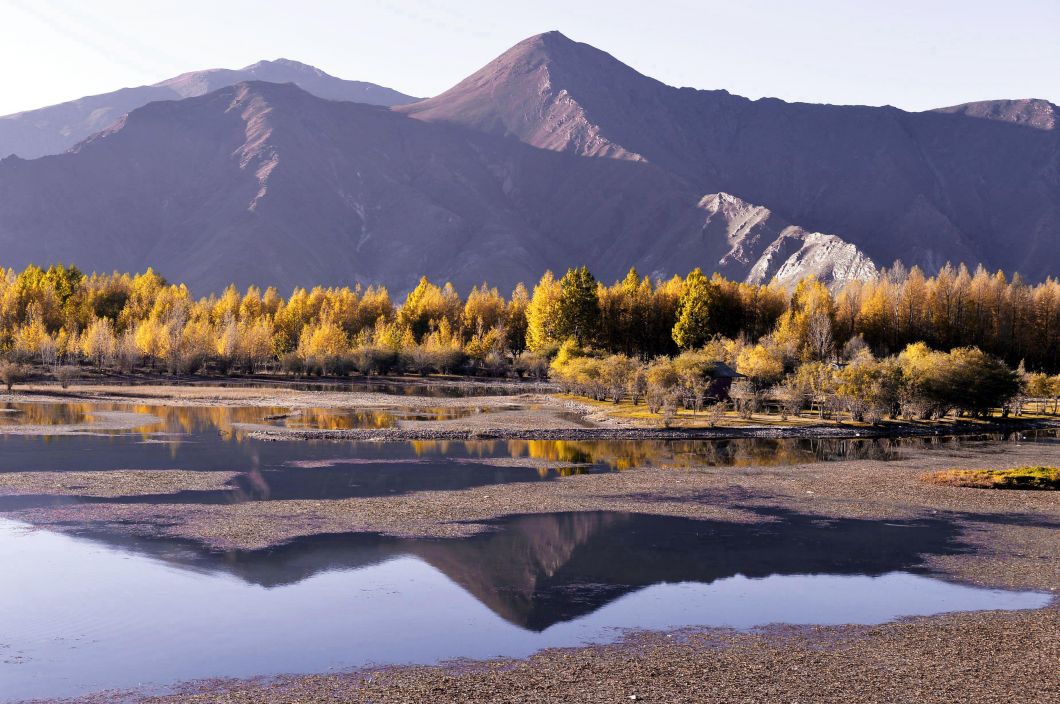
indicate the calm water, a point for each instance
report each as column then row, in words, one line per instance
column 99, row 603
column 209, row 439
column 84, row 612
column 388, row 385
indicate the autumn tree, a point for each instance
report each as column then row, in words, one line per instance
column 543, row 314
column 694, row 319
column 579, row 307
column 515, row 315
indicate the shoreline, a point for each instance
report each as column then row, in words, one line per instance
column 629, row 432
column 1010, row 534
column 532, row 414
column 937, row 659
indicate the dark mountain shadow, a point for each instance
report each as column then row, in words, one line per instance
column 539, row 570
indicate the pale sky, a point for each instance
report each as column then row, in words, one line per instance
column 912, row 54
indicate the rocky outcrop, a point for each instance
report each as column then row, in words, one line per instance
column 765, row 248
column 1039, row 114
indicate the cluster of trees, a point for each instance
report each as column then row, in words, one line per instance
column 917, row 384
column 955, row 308
column 128, row 322
column 634, row 337
column 125, row 322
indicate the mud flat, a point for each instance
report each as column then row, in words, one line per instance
column 122, row 482
column 274, row 395
column 546, row 425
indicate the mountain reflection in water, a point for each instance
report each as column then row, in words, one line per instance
column 538, row 570
column 150, row 613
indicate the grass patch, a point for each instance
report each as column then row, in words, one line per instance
column 685, row 418
column 1045, row 478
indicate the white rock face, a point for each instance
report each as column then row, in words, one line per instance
column 762, row 247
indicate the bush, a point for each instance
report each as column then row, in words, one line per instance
column 375, row 360
column 418, row 360
column 291, row 363
column 11, row 374
column 66, row 374
column 531, row 364
column 966, row 379
column 745, row 398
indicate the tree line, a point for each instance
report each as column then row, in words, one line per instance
column 60, row 316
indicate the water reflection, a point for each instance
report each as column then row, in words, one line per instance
column 159, row 421
column 346, row 419
column 14, row 414
column 206, row 439
column 391, row 386
column 329, row 602
column 538, row 570
column 327, row 470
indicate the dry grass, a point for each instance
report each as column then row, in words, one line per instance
column 1047, row 478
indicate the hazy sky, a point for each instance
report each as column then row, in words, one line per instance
column 913, row 54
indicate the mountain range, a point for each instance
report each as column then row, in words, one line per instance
column 554, row 154
column 54, row 129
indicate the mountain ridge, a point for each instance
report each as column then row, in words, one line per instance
column 55, row 128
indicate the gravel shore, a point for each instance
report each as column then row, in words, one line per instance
column 973, row 658
column 535, row 428
column 122, row 482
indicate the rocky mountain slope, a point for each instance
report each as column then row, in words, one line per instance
column 54, row 129
column 764, row 248
column 334, row 192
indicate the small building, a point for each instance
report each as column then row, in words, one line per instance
column 721, row 376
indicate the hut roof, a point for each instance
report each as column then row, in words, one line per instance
column 724, row 371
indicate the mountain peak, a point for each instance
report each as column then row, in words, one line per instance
column 552, row 40
column 547, row 91
column 284, row 65
column 554, row 47
column 1028, row 112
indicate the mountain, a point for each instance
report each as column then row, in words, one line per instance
column 335, row 193
column 54, row 129
column 325, row 192
column 555, row 154
column 977, row 183
column 538, row 570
